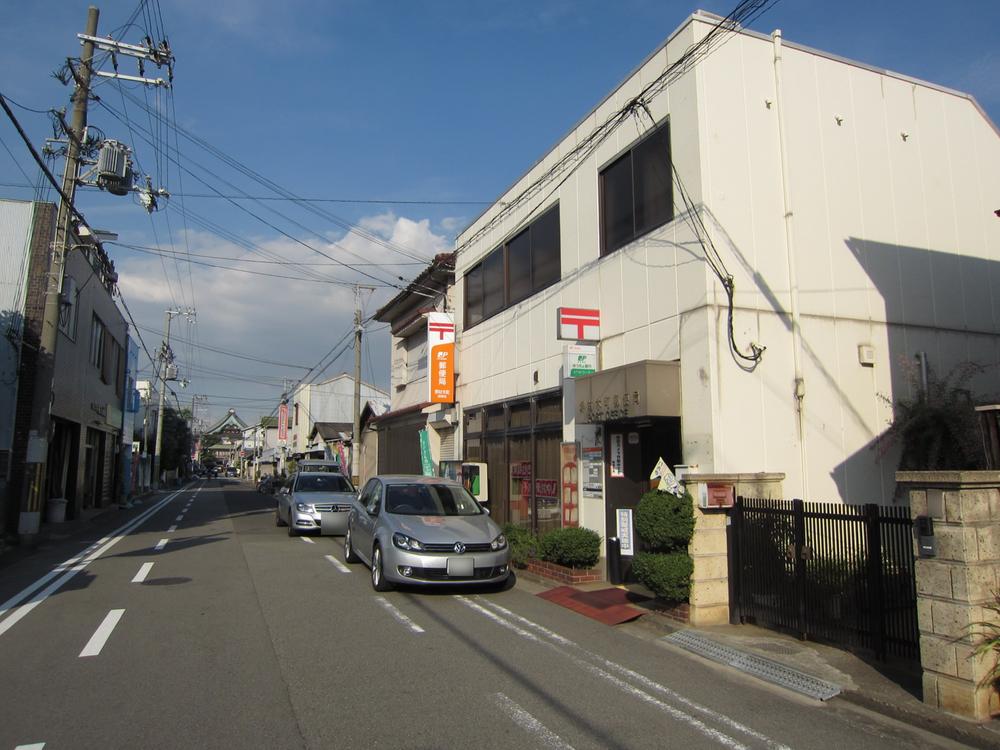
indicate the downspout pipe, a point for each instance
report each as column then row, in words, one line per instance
column 799, row 388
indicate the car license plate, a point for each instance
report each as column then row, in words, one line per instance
column 461, row 567
column 333, row 524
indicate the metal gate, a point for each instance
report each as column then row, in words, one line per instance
column 835, row 573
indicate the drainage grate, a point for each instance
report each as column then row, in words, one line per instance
column 758, row 666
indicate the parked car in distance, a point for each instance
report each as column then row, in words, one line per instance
column 424, row 530
column 315, row 501
column 232, row 471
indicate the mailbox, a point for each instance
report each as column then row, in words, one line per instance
column 926, row 541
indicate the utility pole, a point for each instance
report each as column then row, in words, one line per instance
column 356, row 431
column 34, row 490
column 166, row 357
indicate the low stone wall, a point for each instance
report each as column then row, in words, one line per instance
column 954, row 587
column 709, row 549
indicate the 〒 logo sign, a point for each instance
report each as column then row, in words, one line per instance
column 579, row 324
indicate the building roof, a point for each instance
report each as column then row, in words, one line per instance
column 231, row 420
column 435, row 279
column 332, row 430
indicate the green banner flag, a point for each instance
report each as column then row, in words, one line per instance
column 425, row 454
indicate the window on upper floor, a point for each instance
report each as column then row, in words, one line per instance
column 525, row 264
column 636, row 191
column 416, row 355
column 97, row 334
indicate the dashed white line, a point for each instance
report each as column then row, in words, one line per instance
column 172, row 529
column 33, row 746
column 529, row 723
column 103, row 632
column 338, row 564
column 307, row 540
column 161, row 544
column 180, row 517
column 143, row 572
column 410, row 624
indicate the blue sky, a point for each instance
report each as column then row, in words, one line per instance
column 445, row 103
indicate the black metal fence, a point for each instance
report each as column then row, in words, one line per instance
column 828, row 572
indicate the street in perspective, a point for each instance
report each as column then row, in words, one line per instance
column 539, row 374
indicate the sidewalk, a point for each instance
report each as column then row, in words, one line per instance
column 892, row 689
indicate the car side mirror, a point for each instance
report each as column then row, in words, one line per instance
column 485, row 509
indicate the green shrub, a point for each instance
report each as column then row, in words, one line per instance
column 664, row 521
column 523, row 544
column 572, row 547
column 667, row 575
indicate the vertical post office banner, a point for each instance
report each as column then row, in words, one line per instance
column 441, row 358
column 283, row 422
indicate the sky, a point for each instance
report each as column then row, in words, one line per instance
column 399, row 121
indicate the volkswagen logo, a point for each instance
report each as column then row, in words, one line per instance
column 459, row 548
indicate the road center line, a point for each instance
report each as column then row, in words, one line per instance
column 172, row 529
column 180, row 517
column 338, row 564
column 32, row 746
column 143, row 572
column 307, row 540
column 406, row 621
column 161, row 544
column 70, row 568
column 529, row 723
column 103, row 632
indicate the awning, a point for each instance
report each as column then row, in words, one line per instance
column 641, row 389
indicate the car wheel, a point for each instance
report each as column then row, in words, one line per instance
column 349, row 554
column 277, row 516
column 378, row 577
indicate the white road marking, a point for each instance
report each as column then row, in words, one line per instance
column 33, row 746
column 410, row 624
column 307, row 540
column 529, row 723
column 161, row 544
column 68, row 569
column 100, row 637
column 338, row 564
column 143, row 572
column 180, row 517
column 635, row 692
column 172, row 529
column 640, row 678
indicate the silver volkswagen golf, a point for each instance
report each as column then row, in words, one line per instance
column 424, row 530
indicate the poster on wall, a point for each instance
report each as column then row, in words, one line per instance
column 520, row 491
column 593, row 472
column 625, row 535
column 570, row 484
column 617, row 458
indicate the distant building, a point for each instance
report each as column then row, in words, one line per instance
column 222, row 442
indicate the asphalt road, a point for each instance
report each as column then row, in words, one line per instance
column 203, row 625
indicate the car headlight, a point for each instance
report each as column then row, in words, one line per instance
column 305, row 508
column 499, row 543
column 408, row 543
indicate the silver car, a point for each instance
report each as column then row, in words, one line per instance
column 424, row 530
column 315, row 501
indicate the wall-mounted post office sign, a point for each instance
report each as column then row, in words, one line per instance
column 578, row 324
column 581, row 359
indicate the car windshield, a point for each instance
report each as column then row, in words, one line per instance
column 430, row 500
column 322, row 483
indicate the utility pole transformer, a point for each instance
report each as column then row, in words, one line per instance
column 34, row 490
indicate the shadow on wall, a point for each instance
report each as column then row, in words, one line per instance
column 941, row 305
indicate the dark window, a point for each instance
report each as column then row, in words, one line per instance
column 519, row 266
column 524, row 265
column 636, row 192
column 493, row 283
column 97, row 343
column 474, row 296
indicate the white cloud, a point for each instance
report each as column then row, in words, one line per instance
column 294, row 320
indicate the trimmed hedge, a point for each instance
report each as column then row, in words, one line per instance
column 571, row 547
column 664, row 521
column 523, row 544
column 668, row 575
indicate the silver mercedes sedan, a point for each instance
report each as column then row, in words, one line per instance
column 424, row 530
column 315, row 501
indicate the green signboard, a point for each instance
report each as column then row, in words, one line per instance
column 425, row 454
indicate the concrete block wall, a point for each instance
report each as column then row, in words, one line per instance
column 955, row 587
